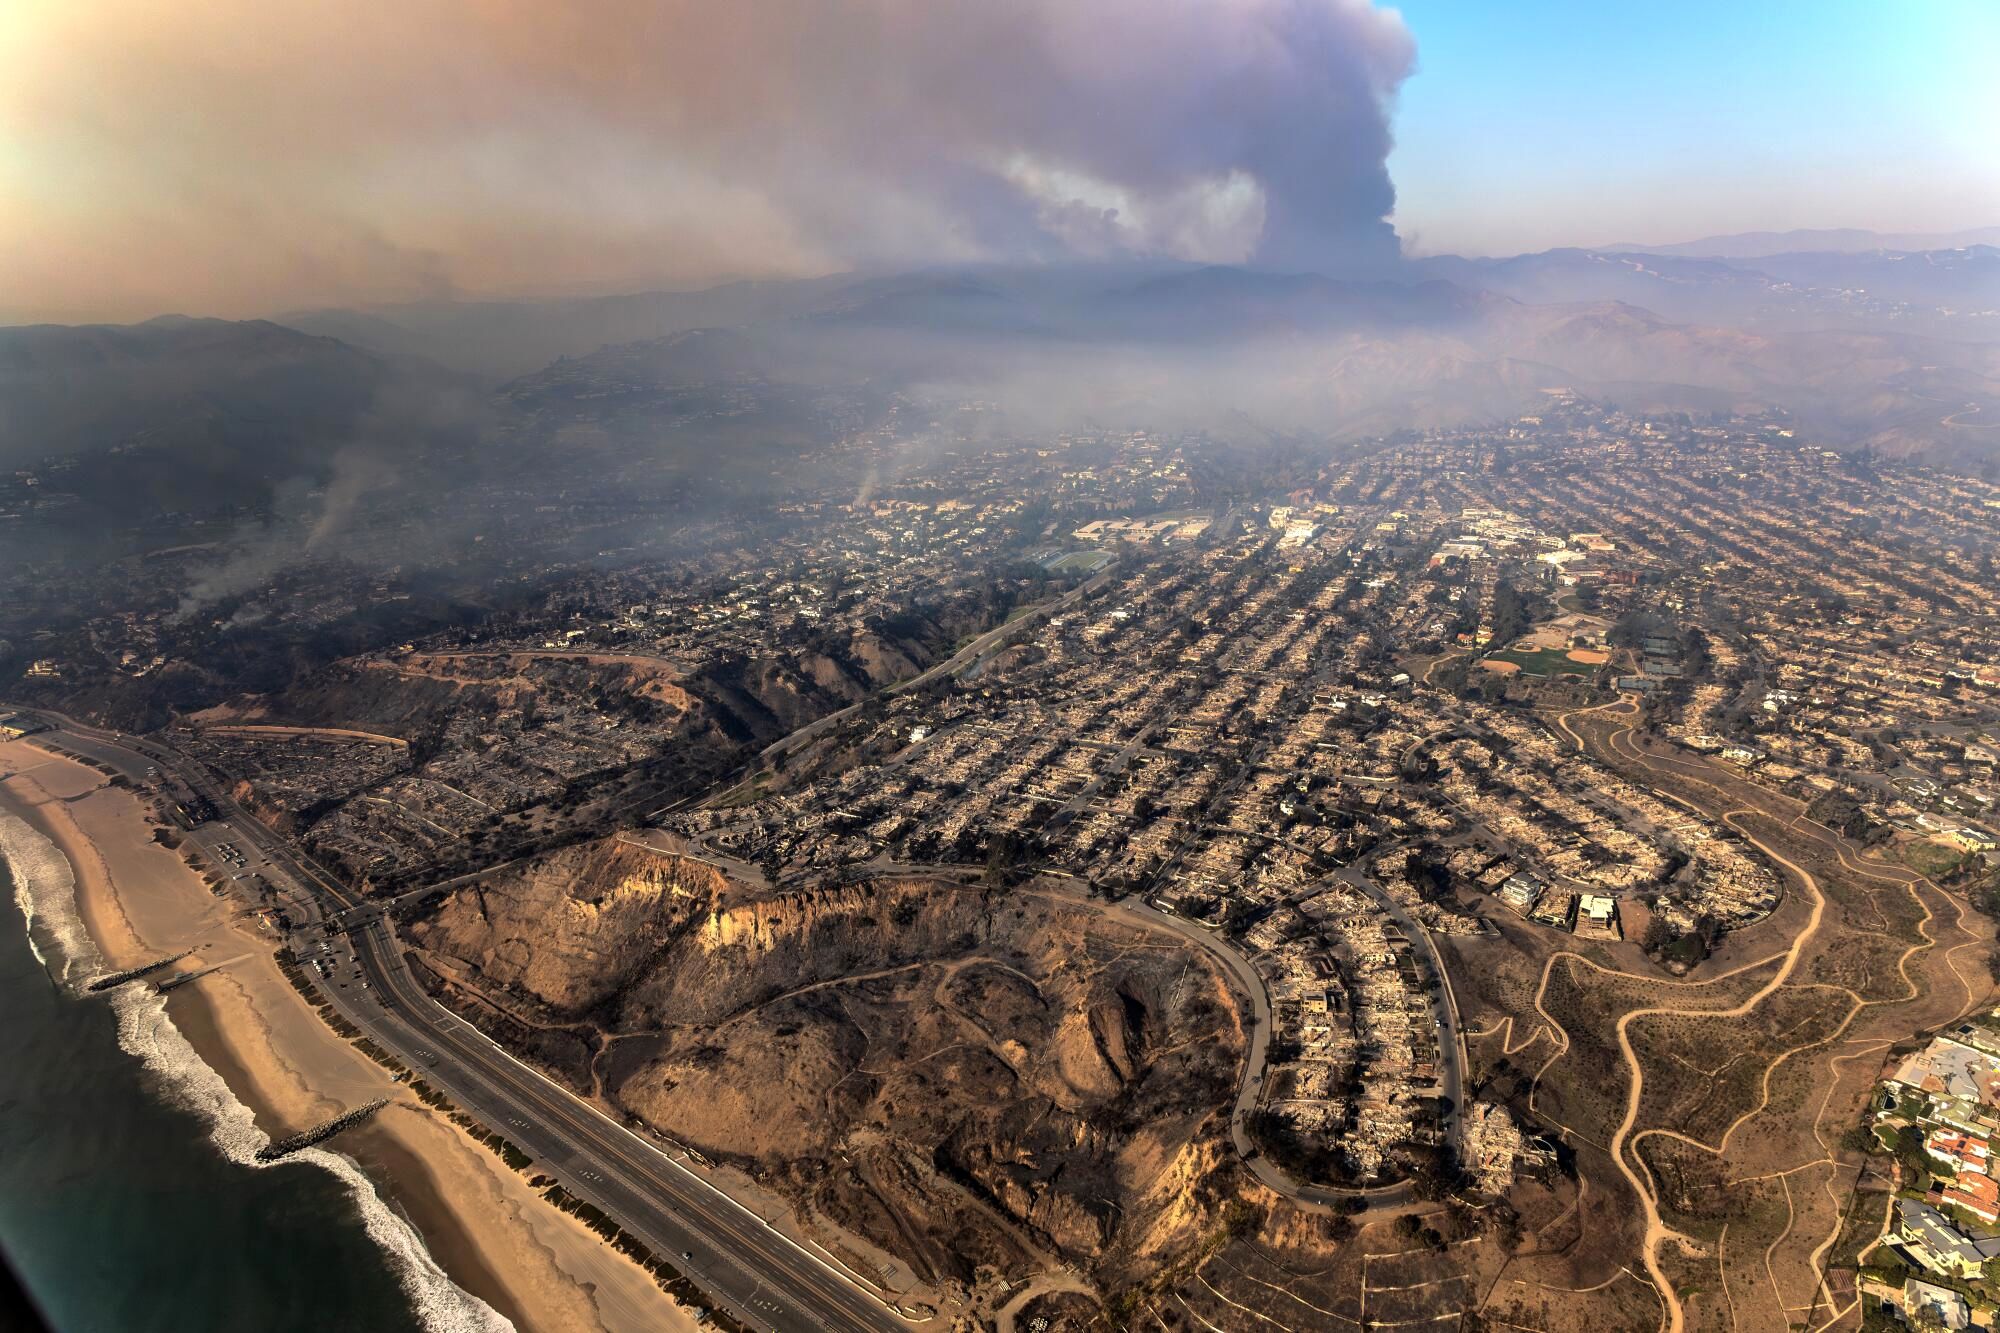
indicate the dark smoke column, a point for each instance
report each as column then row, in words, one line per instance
column 1037, row 127
column 1318, row 140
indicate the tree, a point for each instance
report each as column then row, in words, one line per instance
column 1243, row 1219
column 1510, row 613
column 1452, row 675
column 1658, row 935
column 1427, row 873
column 1003, row 855
column 1909, row 1150
column 1433, row 1170
column 1630, row 628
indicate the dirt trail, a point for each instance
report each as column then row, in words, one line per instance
column 1656, row 1230
column 276, row 732
column 1656, row 1233
column 1038, row 1286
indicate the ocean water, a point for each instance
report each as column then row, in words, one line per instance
column 130, row 1201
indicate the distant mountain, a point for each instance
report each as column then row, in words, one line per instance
column 1839, row 240
column 1943, row 293
column 1221, row 301
column 698, row 357
column 200, row 415
column 1964, row 279
column 1210, row 345
column 1715, row 280
column 201, row 386
column 502, row 341
column 1706, row 290
column 1900, row 394
column 944, row 302
column 498, row 340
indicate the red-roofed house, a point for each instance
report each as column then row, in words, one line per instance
column 1960, row 1152
column 1977, row 1194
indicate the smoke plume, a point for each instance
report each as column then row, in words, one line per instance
column 312, row 152
column 305, row 521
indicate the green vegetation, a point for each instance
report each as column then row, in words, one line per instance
column 499, row 1145
column 671, row 1280
column 1842, row 813
column 1934, row 859
column 1543, row 662
column 1080, row 562
column 744, row 793
column 1887, row 1267
column 1634, row 626
column 1513, row 612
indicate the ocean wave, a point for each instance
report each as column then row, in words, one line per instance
column 45, row 892
column 145, row 1030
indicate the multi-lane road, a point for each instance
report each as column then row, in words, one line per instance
column 761, row 1275
column 969, row 656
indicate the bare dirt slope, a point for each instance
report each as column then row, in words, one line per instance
column 969, row 1078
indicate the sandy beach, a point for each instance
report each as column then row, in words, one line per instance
column 493, row 1235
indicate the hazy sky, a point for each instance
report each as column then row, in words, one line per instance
column 1537, row 123
column 239, row 156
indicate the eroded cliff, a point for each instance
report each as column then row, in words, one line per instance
column 966, row 1077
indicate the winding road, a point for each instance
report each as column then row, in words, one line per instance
column 1378, row 1200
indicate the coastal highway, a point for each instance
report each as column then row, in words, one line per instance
column 763, row 1277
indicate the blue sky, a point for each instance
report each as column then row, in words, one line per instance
column 1533, row 123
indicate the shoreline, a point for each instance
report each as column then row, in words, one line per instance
column 405, row 1182
column 515, row 1256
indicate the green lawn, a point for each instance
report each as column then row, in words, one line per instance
column 1934, row 859
column 1085, row 562
column 1543, row 662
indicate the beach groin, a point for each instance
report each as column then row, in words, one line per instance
column 109, row 898
column 271, row 1152
column 134, row 973
column 165, row 984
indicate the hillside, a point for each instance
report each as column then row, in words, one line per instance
column 734, row 386
column 201, row 415
column 1206, row 348
column 1002, row 1077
